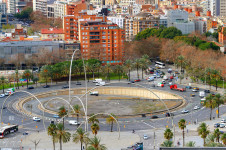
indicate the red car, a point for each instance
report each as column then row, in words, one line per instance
column 171, row 77
column 137, row 80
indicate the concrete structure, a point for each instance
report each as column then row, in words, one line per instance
column 119, row 20
column 138, row 23
column 176, row 16
column 15, row 6
column 200, row 26
column 185, row 27
column 142, row 2
column 218, row 7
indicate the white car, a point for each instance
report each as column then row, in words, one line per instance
column 196, row 107
column 94, row 93
column 170, row 83
column 36, row 119
column 185, row 111
column 145, row 137
column 102, row 83
column 223, row 120
column 222, row 125
column 73, row 122
column 2, row 95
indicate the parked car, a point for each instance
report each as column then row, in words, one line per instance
column 223, row 120
column 2, row 95
column 185, row 111
column 160, row 85
column 195, row 89
column 170, row 70
column 131, row 82
column 56, row 116
column 169, row 114
column 65, row 87
column 46, row 86
column 73, row 122
column 137, row 80
column 36, row 119
column 78, row 83
column 25, row 133
column 216, row 125
column 30, row 87
column 196, row 107
column 222, row 125
column 207, row 91
column 154, row 117
column 163, row 81
column 145, row 137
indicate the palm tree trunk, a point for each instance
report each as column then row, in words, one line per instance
column 98, row 73
column 211, row 113
column 183, row 137
column 63, row 122
column 3, row 87
column 129, row 74
column 27, row 83
column 111, row 126
column 46, row 80
column 81, row 145
column 204, row 141
column 218, row 109
column 137, row 72
column 77, row 120
column 53, row 144
column 17, row 84
column 60, row 143
column 142, row 73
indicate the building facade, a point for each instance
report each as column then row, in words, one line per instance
column 3, row 9
column 186, row 28
column 179, row 16
column 119, row 20
column 218, row 7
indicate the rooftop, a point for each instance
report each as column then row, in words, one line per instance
column 52, row 31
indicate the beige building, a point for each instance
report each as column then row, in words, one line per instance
column 53, row 34
column 138, row 23
column 59, row 9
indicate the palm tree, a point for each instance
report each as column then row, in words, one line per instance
column 210, row 103
column 137, row 65
column 216, row 76
column 203, row 131
column 80, row 136
column 168, row 134
column 118, row 69
column 95, row 144
column 95, row 128
column 62, row 113
column 62, row 135
column 110, row 120
column 217, row 134
column 77, row 110
column 219, row 100
column 182, row 126
column 223, row 138
column 52, row 131
column 98, row 67
column 143, row 65
column 180, row 61
column 27, row 74
column 190, row 144
column 93, row 119
column 167, row 143
column 128, row 65
column 3, row 83
column 17, row 77
column 108, row 69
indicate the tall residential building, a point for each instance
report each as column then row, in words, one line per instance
column 15, row 6
column 41, row 5
column 119, row 20
column 138, row 23
column 217, row 7
column 176, row 16
column 59, row 9
column 3, row 8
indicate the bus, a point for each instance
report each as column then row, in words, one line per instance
column 160, row 64
column 7, row 129
column 202, row 101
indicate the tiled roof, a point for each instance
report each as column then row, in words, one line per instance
column 52, row 31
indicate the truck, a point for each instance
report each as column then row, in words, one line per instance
column 174, row 87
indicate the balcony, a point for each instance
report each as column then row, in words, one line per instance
column 94, row 33
column 94, row 37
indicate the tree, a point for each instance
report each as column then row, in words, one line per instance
column 95, row 128
column 210, row 103
column 170, row 33
column 3, row 83
column 80, row 136
column 203, row 132
column 45, row 72
column 27, row 74
column 62, row 135
column 108, row 69
column 217, row 134
column 190, row 144
column 219, row 100
column 95, row 144
column 36, row 143
column 118, row 69
column 167, row 143
column 77, row 110
column 62, row 113
column 180, row 61
column 110, row 120
column 223, row 138
column 52, row 131
column 137, row 64
column 25, row 13
column 143, row 65
column 128, row 65
column 93, row 119
column 168, row 134
column 182, row 126
column 17, row 77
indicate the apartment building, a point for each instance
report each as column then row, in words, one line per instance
column 217, row 7
column 50, row 11
column 41, row 5
column 3, row 8
column 59, row 9
column 138, row 23
column 119, row 20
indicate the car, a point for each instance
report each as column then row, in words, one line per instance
column 163, row 82
column 2, row 95
column 195, row 89
column 169, row 114
column 222, row 125
column 102, row 83
column 25, row 133
column 30, row 87
column 171, row 77
column 78, row 83
column 65, row 87
column 137, row 80
column 207, row 91
column 73, row 122
column 170, row 70
column 46, row 86
column 94, row 93
column 176, row 72
column 56, row 116
column 145, row 137
column 188, row 87
column 131, row 82
column 216, row 125
column 160, row 85
column 196, row 107
column 185, row 111
column 6, row 94
column 154, row 117
column 170, row 83
column 36, row 119
column 223, row 120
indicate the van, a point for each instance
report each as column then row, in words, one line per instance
column 97, row 80
column 202, row 94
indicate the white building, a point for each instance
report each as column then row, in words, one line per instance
column 3, row 8
column 59, row 9
column 163, row 21
column 217, row 7
column 176, row 16
column 186, row 28
column 127, row 2
column 119, row 20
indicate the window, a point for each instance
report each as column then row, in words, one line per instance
column 82, row 28
column 103, row 37
column 103, row 33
